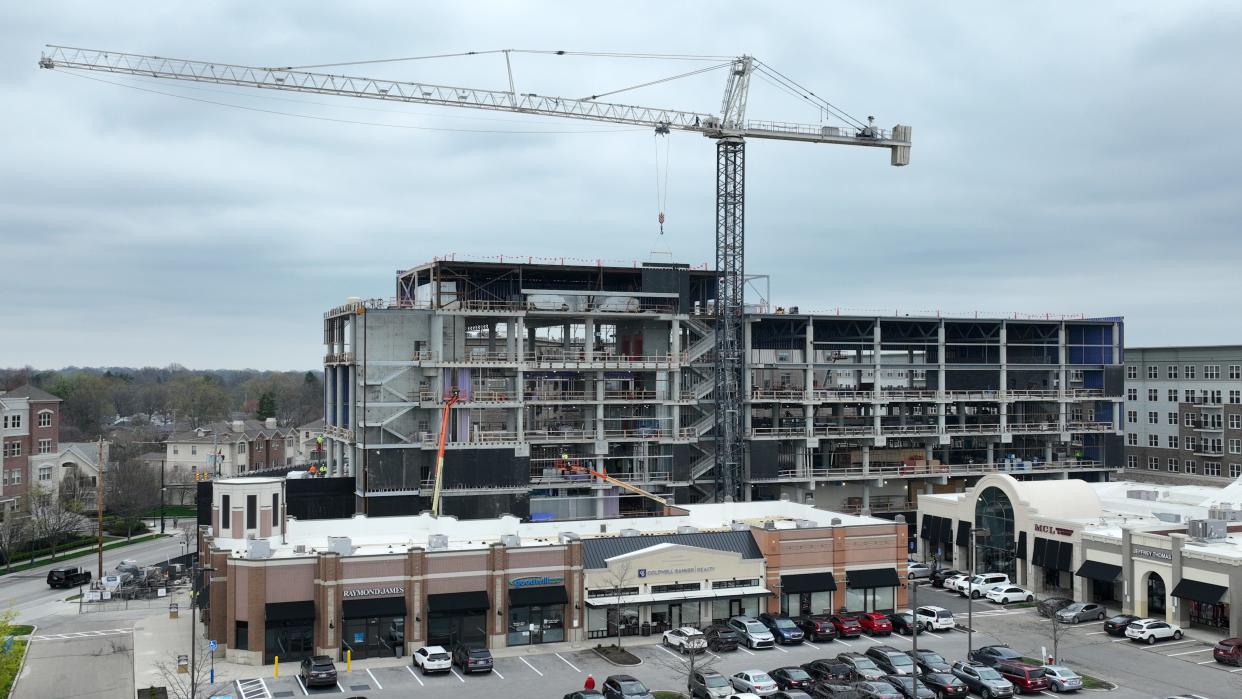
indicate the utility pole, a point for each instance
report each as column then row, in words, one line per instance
column 99, row 509
column 970, row 592
column 162, row 488
column 914, row 632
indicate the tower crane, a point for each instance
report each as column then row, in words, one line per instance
column 730, row 129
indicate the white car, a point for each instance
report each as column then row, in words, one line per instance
column 685, row 639
column 1152, row 630
column 979, row 585
column 432, row 659
column 953, row 581
column 1062, row 679
column 754, row 681
column 918, row 571
column 1004, row 594
column 934, row 619
column 744, row 695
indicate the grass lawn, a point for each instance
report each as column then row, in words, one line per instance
column 9, row 664
column 173, row 511
column 21, row 629
column 18, row 567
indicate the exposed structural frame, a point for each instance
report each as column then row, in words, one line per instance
column 730, row 306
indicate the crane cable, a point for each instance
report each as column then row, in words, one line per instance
column 661, row 178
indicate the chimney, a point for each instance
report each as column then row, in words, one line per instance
column 270, row 423
column 239, row 426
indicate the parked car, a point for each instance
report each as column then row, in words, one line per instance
column 1051, row 605
column 721, row 638
column 945, row 685
column 1116, row 626
column 846, row 626
column 752, row 633
column 708, row 684
column 472, row 659
column 979, row 585
column 585, row 694
column 861, row 666
column 918, row 571
column 783, row 629
column 1062, row 679
column 792, row 677
column 834, row 690
column 903, row 622
column 953, row 581
column 1025, row 677
column 432, row 659
column 1152, row 630
column 875, row 624
column 755, row 682
column 685, row 640
column 1004, row 594
column 1228, row 651
column 891, row 660
column 1081, row 611
column 817, row 628
column 905, row 686
column 991, row 655
column 791, row 694
column 318, row 671
column 68, row 577
column 876, row 689
column 929, row 661
column 625, row 687
column 983, row 680
column 931, row 618
column 827, row 670
column 939, row 576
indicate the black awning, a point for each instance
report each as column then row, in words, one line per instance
column 1094, row 570
column 538, row 596
column 375, row 606
column 925, row 529
column 1020, row 553
column 289, row 611
column 946, row 531
column 1065, row 556
column 872, row 577
column 458, row 601
column 963, row 533
column 808, row 582
column 1199, row 591
column 1041, row 551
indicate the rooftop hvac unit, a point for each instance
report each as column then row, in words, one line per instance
column 300, row 548
column 1142, row 495
column 739, row 526
column 341, row 545
column 805, row 524
column 1208, row 529
column 836, row 521
column 1168, row 517
column 566, row 537
column 437, row 542
column 629, row 532
column 769, row 524
column 511, row 540
column 1225, row 511
column 258, row 549
column 686, row 529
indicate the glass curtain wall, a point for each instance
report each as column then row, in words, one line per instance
column 994, row 551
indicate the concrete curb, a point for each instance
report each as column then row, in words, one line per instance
column 616, row 664
column 21, row 667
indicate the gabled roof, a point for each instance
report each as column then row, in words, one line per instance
column 31, row 393
column 316, row 426
column 596, row 551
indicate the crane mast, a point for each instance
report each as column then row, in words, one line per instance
column 730, row 129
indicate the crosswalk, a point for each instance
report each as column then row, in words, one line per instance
column 80, row 634
column 253, row 689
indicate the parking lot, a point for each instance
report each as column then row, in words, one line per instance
column 1139, row 671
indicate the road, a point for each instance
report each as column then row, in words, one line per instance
column 28, row 593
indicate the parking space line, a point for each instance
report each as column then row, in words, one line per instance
column 747, row 652
column 808, row 644
column 1206, row 662
column 575, row 667
column 851, row 645
column 497, row 672
column 899, row 636
column 537, row 672
column 304, row 692
column 1201, row 650
column 338, row 686
column 1177, row 643
column 420, row 680
column 683, row 660
column 1119, row 640
column 1238, row 670
column 457, row 675
column 1096, row 633
column 779, row 648
column 377, row 682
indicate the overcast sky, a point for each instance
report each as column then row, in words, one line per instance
column 1068, row 158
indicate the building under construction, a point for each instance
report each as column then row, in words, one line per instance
column 558, row 368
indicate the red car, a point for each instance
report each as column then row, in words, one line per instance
column 875, row 624
column 1024, row 676
column 1228, row 651
column 846, row 626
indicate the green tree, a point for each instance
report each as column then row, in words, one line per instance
column 267, row 406
column 199, row 398
column 86, row 401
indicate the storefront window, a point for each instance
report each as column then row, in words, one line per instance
column 597, row 622
column 1213, row 615
column 519, row 626
column 876, row 599
column 449, row 629
column 674, row 615
column 291, row 640
column 529, row 625
column 800, row 603
column 994, row 550
column 722, row 609
column 374, row 637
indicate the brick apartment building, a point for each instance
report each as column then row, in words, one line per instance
column 29, row 424
column 227, row 449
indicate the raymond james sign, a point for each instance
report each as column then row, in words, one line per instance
column 535, row 581
column 373, row 592
column 1152, row 554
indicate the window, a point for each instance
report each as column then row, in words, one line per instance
column 176, row 450
column 1153, row 463
column 193, row 450
column 45, row 446
column 1172, row 371
column 226, row 513
column 1132, row 439
column 12, row 448
column 1216, row 445
column 258, row 445
column 1235, row 470
column 45, row 418
column 252, row 511
column 1188, row 420
column 1235, row 446
column 1192, row 443
column 1153, row 372
column 1190, row 371
column 1235, row 397
column 1191, row 467
column 1131, row 394
column 1131, row 372
column 275, row 510
column 1172, row 418
column 1132, row 416
column 1190, row 395
column 1216, row 397
column 1211, row 371
column 1172, row 395
column 45, row 473
column 1173, row 441
column 17, row 476
column 1153, row 418
column 1211, row 468
column 1235, row 371
column 1174, row 466
column 1153, row 394
column 1132, row 461
column 16, row 421
column 1235, row 422
column 1153, row 440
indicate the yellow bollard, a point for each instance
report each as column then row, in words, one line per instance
column 349, row 657
column 277, row 659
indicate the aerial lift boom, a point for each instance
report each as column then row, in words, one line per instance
column 439, row 476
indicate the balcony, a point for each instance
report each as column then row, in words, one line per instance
column 473, row 396
column 889, row 469
column 573, row 359
column 340, row 433
column 1089, row 426
column 339, row 358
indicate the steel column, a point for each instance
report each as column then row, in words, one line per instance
column 730, row 243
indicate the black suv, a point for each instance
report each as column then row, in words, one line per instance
column 817, row 627
column 318, row 671
column 721, row 637
column 991, row 655
column 472, row 659
column 929, row 661
column 623, row 686
column 68, row 577
column 938, row 576
column 891, row 660
column 792, row 677
column 828, row 671
column 783, row 629
column 862, row 667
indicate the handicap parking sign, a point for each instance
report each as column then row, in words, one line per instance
column 211, row 645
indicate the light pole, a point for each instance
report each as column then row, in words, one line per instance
column 914, row 630
column 970, row 591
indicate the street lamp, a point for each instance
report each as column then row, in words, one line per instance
column 196, row 570
column 975, row 532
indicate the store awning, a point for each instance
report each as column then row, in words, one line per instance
column 1020, row 553
column 872, row 577
column 808, row 582
column 677, row 596
column 289, row 611
column 925, row 529
column 1065, row 556
column 1041, row 551
column 1199, row 591
column 963, row 533
column 458, row 601
column 538, row 596
column 376, row 606
column 1094, row 570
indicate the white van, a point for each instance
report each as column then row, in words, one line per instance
column 979, row 585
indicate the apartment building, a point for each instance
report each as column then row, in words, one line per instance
column 558, row 368
column 229, row 448
column 1184, row 414
column 29, row 425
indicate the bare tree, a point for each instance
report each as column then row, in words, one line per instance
column 51, row 521
column 617, row 579
column 1056, row 631
column 192, row 683
column 684, row 666
column 14, row 531
column 133, row 491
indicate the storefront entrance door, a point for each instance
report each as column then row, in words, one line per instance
column 374, row 637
